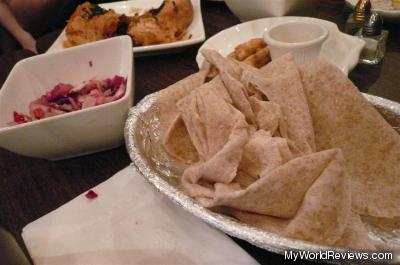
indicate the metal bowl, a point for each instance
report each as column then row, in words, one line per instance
column 144, row 146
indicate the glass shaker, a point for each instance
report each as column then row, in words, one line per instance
column 375, row 40
column 355, row 21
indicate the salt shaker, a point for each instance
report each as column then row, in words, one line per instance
column 356, row 20
column 375, row 40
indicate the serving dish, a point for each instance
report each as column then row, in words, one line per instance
column 290, row 37
column 339, row 49
column 143, row 142
column 393, row 15
column 254, row 9
column 196, row 29
column 77, row 132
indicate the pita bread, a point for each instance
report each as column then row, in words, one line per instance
column 272, row 224
column 269, row 117
column 343, row 118
column 355, row 235
column 248, row 138
column 222, row 64
column 219, row 133
column 167, row 98
column 323, row 215
column 287, row 91
column 263, row 153
column 239, row 96
column 178, row 144
column 176, row 141
column 209, row 120
column 321, row 211
column 223, row 165
column 220, row 169
column 243, row 179
column 277, row 189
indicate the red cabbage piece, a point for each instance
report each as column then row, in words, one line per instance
column 91, row 195
column 65, row 98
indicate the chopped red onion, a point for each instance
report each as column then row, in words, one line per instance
column 91, row 195
column 65, row 98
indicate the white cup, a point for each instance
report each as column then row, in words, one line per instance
column 303, row 39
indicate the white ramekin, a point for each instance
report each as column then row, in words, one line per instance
column 303, row 39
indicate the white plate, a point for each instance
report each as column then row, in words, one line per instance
column 388, row 14
column 339, row 49
column 196, row 29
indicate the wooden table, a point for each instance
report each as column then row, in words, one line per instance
column 31, row 188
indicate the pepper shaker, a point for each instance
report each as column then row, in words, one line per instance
column 356, row 20
column 375, row 40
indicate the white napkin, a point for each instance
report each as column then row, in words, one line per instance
column 128, row 223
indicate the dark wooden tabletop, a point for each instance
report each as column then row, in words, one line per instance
column 31, row 188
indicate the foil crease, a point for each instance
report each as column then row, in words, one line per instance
column 144, row 145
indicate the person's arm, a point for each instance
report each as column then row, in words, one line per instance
column 8, row 21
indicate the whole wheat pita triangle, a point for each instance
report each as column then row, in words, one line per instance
column 280, row 82
column 343, row 118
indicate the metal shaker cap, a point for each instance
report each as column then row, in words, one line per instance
column 362, row 10
column 373, row 25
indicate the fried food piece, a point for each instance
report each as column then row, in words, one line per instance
column 165, row 24
column 259, row 59
column 90, row 22
column 244, row 50
column 253, row 52
column 168, row 23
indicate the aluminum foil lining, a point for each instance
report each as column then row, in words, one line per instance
column 144, row 145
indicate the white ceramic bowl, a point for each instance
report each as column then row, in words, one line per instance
column 303, row 39
column 252, row 9
column 75, row 133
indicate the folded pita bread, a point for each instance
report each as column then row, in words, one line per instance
column 167, row 98
column 248, row 139
column 239, row 96
column 177, row 142
column 324, row 215
column 279, row 189
column 343, row 118
column 209, row 119
column 222, row 167
column 219, row 133
column 222, row 64
column 280, row 82
column 355, row 235
column 269, row 117
column 263, row 153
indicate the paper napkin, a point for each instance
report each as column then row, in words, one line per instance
column 128, row 223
